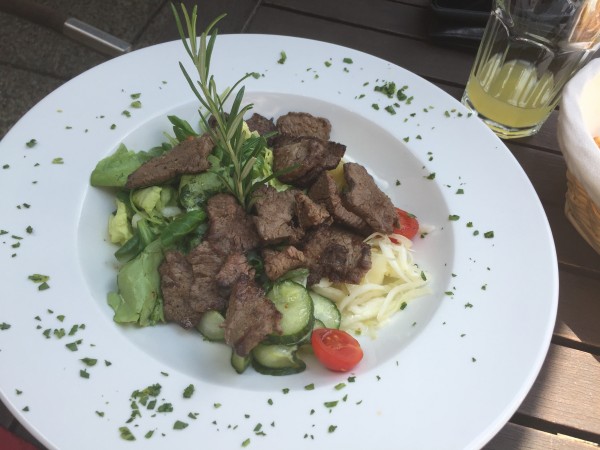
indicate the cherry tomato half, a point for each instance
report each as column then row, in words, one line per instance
column 336, row 349
column 409, row 225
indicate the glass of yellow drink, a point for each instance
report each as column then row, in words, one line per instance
column 529, row 50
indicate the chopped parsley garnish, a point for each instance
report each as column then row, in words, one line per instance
column 327, row 63
column 246, row 443
column 4, row 326
column 331, row 404
column 90, row 362
column 179, row 425
column 309, row 387
column 58, row 161
column 29, row 229
column 390, row 109
column 453, row 217
column 126, row 434
column 375, row 106
column 387, row 89
column 135, row 96
column 282, row 59
column 165, row 407
column 31, row 143
column 347, row 60
column 100, row 413
column 38, row 278
column 339, row 386
column 149, row 434
column 84, row 373
column 126, row 113
column 331, row 428
column 188, row 391
column 488, row 234
column 431, row 176
column 136, row 104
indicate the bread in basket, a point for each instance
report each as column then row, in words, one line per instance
column 578, row 125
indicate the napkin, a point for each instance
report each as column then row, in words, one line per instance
column 578, row 123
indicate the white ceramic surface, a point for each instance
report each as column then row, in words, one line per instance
column 447, row 373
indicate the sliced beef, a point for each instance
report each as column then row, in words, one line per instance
column 205, row 294
column 325, row 192
column 309, row 213
column 262, row 125
column 304, row 124
column 250, row 316
column 278, row 262
column 186, row 157
column 365, row 199
column 235, row 266
column 230, row 229
column 176, row 279
column 309, row 156
column 275, row 216
column 337, row 254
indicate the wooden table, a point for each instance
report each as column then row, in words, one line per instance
column 562, row 411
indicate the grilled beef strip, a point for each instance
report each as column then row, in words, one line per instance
column 235, row 266
column 279, row 262
column 364, row 198
column 337, row 254
column 275, row 216
column 230, row 229
column 262, row 125
column 250, row 316
column 309, row 213
column 304, row 124
column 325, row 192
column 175, row 282
column 309, row 156
column 187, row 157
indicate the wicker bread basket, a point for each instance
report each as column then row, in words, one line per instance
column 578, row 124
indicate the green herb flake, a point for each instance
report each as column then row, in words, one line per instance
column 38, row 278
column 270, row 401
column 390, row 109
column 84, row 373
column 375, row 106
column 332, row 428
column 100, row 413
column 107, row 363
column 327, row 63
column 73, row 346
column 339, row 386
column 285, row 390
column 149, row 434
column 246, row 443
column 165, row 408
column 5, row 166
column 113, row 126
column 4, row 326
column 331, row 404
column 453, row 217
column 43, row 286
column 449, row 293
column 423, row 276
column 126, row 113
column 90, row 362
column 189, row 391
column 310, row 387
column 488, row 234
column 282, row 58
column 431, row 176
column 29, row 229
column 403, row 306
column 468, row 305
column 135, row 96
column 179, row 425
column 31, row 143
column 25, row 409
column 126, row 434
column 136, row 104
column 58, row 161
column 348, row 60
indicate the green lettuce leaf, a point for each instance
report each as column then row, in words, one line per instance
column 139, row 298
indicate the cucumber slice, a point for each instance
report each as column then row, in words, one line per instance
column 210, row 326
column 295, row 304
column 239, row 363
column 326, row 311
column 276, row 359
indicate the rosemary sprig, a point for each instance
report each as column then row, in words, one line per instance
column 236, row 154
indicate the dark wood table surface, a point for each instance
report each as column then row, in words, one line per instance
column 562, row 411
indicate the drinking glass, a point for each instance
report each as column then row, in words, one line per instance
column 529, row 50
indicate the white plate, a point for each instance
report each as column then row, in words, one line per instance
column 447, row 373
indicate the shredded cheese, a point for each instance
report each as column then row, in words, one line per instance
column 391, row 283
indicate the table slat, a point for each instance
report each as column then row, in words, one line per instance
column 514, row 436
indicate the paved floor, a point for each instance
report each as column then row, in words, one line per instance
column 35, row 60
